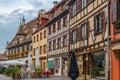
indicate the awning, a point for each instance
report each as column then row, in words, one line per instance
column 116, row 47
column 51, row 64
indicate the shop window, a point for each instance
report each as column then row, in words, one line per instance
column 98, row 64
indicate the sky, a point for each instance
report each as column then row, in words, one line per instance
column 10, row 13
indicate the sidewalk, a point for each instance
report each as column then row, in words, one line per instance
column 4, row 77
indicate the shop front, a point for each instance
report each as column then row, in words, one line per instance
column 92, row 65
column 51, row 65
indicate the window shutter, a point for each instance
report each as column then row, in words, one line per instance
column 79, row 5
column 71, row 8
column 80, row 28
column 88, row 1
column 102, row 20
column 118, row 10
column 78, row 34
column 71, row 37
column 95, row 25
column 114, row 11
column 88, row 28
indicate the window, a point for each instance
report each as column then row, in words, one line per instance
column 54, row 28
column 99, row 23
column 59, row 43
column 45, row 34
column 40, row 49
column 59, row 25
column 49, row 30
column 64, row 21
column 34, row 39
column 54, row 44
column 84, row 31
column 74, row 10
column 44, row 49
column 37, row 38
column 116, row 16
column 84, row 3
column 98, row 62
column 65, row 41
column 74, row 36
column 50, row 46
column 41, row 36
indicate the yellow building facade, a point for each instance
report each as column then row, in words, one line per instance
column 39, row 44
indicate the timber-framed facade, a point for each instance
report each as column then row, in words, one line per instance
column 58, row 38
column 88, row 36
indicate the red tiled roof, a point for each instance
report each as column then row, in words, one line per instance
column 28, row 29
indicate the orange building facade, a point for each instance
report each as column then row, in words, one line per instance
column 115, row 39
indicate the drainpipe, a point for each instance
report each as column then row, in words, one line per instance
column 108, row 42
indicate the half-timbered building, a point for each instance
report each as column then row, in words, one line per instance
column 58, row 38
column 88, row 37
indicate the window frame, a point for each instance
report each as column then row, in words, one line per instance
column 84, row 33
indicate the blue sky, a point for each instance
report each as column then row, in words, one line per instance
column 10, row 13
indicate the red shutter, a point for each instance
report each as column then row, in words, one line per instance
column 88, row 28
column 114, row 11
column 103, row 20
column 79, row 5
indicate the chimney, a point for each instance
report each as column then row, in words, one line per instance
column 42, row 11
column 55, row 3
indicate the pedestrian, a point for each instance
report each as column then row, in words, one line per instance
column 29, row 70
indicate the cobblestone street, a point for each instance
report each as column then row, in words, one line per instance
column 3, row 77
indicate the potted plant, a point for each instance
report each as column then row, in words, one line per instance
column 38, row 70
column 22, row 54
column 117, row 24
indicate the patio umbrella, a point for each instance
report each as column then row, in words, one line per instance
column 12, row 62
column 37, row 61
column 30, row 59
column 73, row 68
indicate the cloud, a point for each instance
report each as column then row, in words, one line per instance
column 12, row 10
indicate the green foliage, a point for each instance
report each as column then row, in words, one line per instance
column 10, row 70
column 96, row 70
column 2, row 69
column 38, row 70
column 117, row 23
